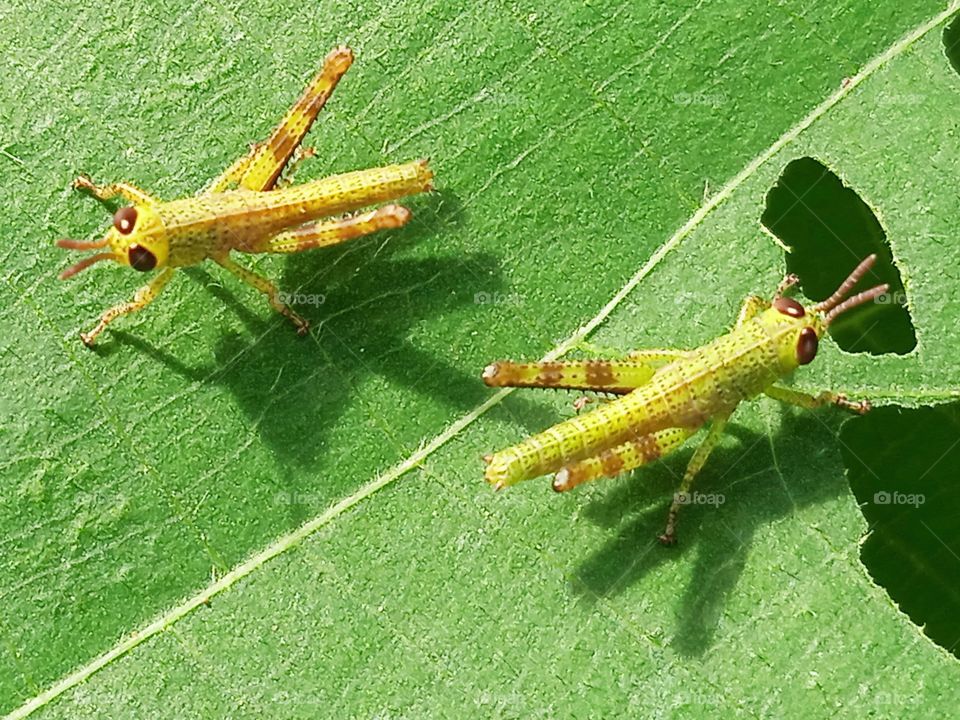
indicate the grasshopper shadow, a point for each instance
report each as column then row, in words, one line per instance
column 718, row 536
column 371, row 296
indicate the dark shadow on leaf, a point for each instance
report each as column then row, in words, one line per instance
column 902, row 465
column 830, row 229
column 718, row 535
column 951, row 42
column 369, row 300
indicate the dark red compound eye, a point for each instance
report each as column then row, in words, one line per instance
column 124, row 219
column 141, row 259
column 807, row 345
column 789, row 306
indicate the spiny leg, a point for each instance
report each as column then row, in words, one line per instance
column 788, row 282
column 332, row 232
column 611, row 376
column 622, row 458
column 301, row 155
column 810, row 402
column 700, row 456
column 143, row 297
column 129, row 192
column 267, row 288
column 655, row 357
column 260, row 168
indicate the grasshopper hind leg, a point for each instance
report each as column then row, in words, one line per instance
column 333, row 232
column 617, row 376
column 622, row 458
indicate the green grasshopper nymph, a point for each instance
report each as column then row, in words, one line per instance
column 667, row 395
column 241, row 210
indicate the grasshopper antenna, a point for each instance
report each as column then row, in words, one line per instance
column 836, row 305
column 68, row 244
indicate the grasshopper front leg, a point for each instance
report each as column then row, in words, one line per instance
column 103, row 193
column 811, row 402
column 143, row 297
column 752, row 306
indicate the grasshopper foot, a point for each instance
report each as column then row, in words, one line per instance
column 83, row 183
column 668, row 538
column 669, row 535
column 581, row 402
column 860, row 408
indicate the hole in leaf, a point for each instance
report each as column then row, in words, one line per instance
column 902, row 468
column 951, row 42
column 830, row 229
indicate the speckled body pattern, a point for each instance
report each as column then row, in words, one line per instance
column 667, row 395
column 685, row 393
column 246, row 221
column 242, row 210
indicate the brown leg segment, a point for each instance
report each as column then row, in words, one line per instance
column 332, row 232
column 260, row 168
column 810, row 402
column 622, row 458
column 618, row 376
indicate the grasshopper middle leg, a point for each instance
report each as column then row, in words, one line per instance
column 267, row 288
column 143, row 297
column 696, row 463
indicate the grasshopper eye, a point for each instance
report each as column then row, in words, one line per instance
column 807, row 345
column 141, row 259
column 789, row 306
column 124, row 219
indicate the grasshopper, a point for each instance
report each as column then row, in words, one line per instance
column 668, row 395
column 247, row 210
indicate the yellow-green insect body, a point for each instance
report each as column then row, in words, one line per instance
column 669, row 394
column 243, row 211
column 187, row 231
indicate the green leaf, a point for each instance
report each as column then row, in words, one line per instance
column 211, row 517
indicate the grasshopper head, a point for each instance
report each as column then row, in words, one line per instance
column 805, row 326
column 136, row 239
